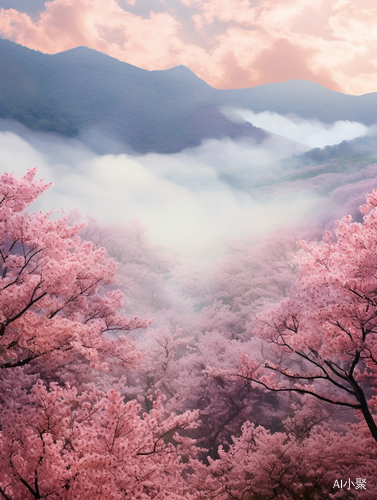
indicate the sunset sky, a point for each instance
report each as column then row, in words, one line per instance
column 228, row 43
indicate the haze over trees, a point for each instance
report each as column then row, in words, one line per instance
column 61, row 435
column 256, row 375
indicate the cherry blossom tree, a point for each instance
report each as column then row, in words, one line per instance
column 256, row 274
column 142, row 267
column 59, row 443
column 59, row 323
column 322, row 338
column 53, row 303
column 261, row 465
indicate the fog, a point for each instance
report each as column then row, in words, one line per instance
column 183, row 199
column 193, row 201
column 312, row 133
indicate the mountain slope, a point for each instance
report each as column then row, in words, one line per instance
column 307, row 100
column 161, row 111
column 81, row 90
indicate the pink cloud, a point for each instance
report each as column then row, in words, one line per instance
column 332, row 42
column 150, row 42
column 282, row 61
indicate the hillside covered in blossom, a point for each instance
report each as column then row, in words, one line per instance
column 256, row 373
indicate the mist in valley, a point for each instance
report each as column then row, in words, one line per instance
column 197, row 200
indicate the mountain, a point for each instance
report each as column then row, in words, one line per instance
column 308, row 100
column 82, row 91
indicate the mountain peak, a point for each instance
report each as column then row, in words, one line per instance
column 181, row 75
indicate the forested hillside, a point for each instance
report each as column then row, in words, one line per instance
column 255, row 376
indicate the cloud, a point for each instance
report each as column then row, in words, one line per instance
column 331, row 42
column 194, row 201
column 185, row 199
column 151, row 42
column 312, row 133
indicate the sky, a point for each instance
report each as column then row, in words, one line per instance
column 228, row 43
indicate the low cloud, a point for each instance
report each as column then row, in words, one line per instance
column 312, row 133
column 192, row 201
column 186, row 200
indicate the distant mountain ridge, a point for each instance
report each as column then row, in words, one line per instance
column 164, row 111
column 308, row 100
column 81, row 89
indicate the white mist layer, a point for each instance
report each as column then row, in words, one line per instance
column 312, row 133
column 181, row 198
column 195, row 200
